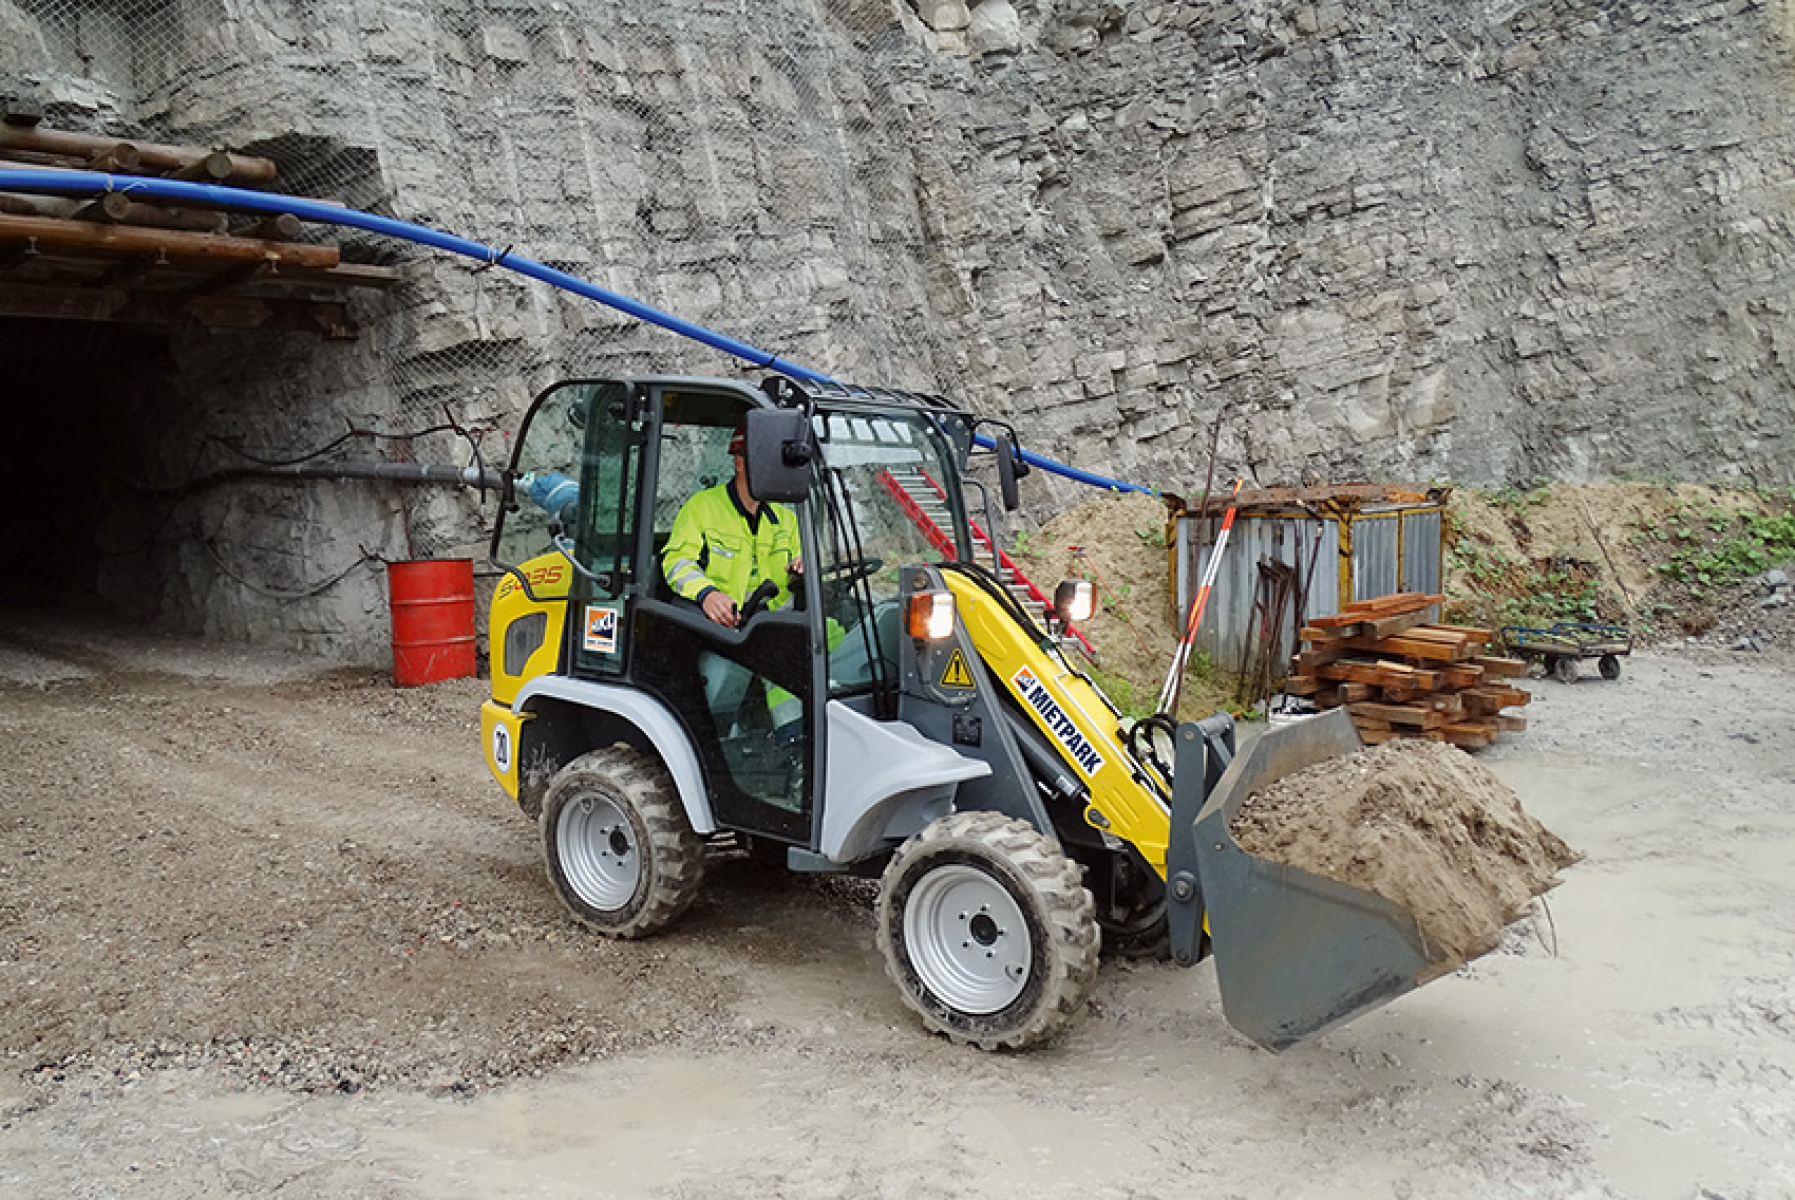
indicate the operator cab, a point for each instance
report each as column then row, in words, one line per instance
column 601, row 472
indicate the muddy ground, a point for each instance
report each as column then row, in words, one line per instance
column 270, row 928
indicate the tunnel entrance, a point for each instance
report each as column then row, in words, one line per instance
column 147, row 334
column 83, row 401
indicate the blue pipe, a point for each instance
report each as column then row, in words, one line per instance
column 1076, row 474
column 94, row 183
column 91, row 183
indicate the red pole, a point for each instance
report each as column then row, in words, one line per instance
column 1174, row 684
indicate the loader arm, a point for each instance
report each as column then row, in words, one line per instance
column 1072, row 714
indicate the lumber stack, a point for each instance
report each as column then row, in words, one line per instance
column 1400, row 675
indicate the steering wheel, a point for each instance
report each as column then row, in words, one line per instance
column 757, row 600
column 850, row 570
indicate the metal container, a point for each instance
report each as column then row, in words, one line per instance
column 433, row 620
column 1348, row 543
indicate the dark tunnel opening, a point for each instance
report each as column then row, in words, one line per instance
column 85, row 402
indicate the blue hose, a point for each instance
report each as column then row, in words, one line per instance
column 94, row 183
column 1076, row 474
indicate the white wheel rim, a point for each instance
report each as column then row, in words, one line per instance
column 967, row 939
column 598, row 852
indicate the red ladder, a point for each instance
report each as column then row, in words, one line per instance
column 927, row 515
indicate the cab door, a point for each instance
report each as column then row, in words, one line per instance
column 745, row 694
column 568, row 540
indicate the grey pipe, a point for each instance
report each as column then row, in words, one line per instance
column 474, row 477
column 484, row 478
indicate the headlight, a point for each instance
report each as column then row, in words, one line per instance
column 1075, row 600
column 930, row 615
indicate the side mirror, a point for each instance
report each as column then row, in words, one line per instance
column 779, row 454
column 1009, row 469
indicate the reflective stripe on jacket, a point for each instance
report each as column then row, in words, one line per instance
column 712, row 546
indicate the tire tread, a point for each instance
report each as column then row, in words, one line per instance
column 673, row 855
column 1064, row 904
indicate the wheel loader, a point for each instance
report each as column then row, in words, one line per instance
column 943, row 743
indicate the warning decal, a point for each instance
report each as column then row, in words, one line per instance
column 957, row 675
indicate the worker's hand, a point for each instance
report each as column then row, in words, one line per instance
column 721, row 609
column 796, row 566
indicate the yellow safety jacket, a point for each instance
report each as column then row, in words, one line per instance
column 716, row 546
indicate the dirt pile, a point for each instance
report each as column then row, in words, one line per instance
column 1671, row 561
column 1122, row 546
column 1419, row 823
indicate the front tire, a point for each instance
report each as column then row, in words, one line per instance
column 618, row 847
column 1564, row 669
column 1609, row 665
column 988, row 931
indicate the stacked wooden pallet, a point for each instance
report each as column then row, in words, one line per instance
column 1400, row 675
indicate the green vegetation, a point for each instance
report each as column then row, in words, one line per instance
column 1206, row 690
column 1114, row 598
column 1121, row 693
column 1713, row 547
column 1519, row 500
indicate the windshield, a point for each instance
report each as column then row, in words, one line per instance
column 891, row 498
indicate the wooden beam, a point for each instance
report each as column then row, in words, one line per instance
column 1398, row 714
column 151, row 156
column 32, row 206
column 1395, row 602
column 118, row 305
column 285, row 227
column 1413, row 648
column 1461, row 675
column 119, row 209
column 128, row 240
column 344, row 275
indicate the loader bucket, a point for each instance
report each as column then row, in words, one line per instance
column 1297, row 954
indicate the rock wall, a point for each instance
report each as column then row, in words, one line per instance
column 1476, row 241
column 1471, row 241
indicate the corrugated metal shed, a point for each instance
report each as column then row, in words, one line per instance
column 1343, row 543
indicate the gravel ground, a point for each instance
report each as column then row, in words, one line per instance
column 270, row 927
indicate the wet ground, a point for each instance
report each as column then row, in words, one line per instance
column 269, row 927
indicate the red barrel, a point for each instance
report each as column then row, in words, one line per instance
column 433, row 620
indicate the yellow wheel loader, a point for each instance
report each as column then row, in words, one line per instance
column 900, row 716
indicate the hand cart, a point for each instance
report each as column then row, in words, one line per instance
column 1555, row 650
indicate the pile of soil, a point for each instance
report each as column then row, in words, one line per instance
column 1512, row 550
column 1421, row 824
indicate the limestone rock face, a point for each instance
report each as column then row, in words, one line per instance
column 1401, row 237
column 994, row 28
column 1396, row 238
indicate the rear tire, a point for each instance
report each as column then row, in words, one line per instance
column 1564, row 669
column 618, row 847
column 1609, row 665
column 988, row 931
